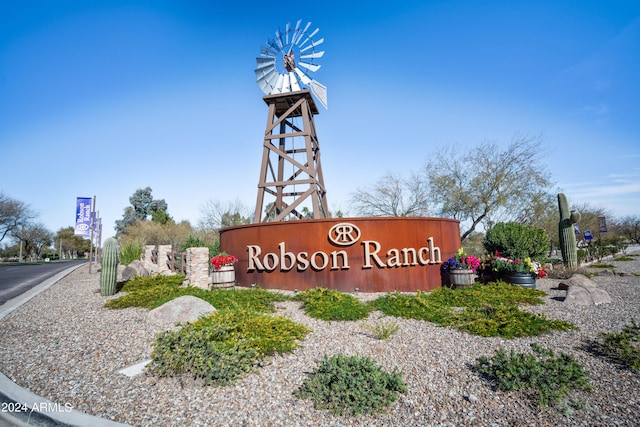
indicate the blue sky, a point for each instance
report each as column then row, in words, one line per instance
column 105, row 97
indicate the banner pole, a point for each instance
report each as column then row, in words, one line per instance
column 93, row 214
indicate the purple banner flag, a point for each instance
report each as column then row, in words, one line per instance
column 83, row 217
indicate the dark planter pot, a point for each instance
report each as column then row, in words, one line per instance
column 521, row 279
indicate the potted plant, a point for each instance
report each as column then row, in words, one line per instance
column 222, row 272
column 461, row 269
column 519, row 271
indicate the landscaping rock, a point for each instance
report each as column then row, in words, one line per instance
column 605, row 272
column 183, row 309
column 576, row 280
column 135, row 269
column 583, row 291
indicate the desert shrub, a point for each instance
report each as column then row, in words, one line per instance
column 622, row 347
column 153, row 291
column 484, row 310
column 549, row 376
column 224, row 346
column 517, row 241
column 130, row 251
column 329, row 304
column 382, row 329
column 351, row 385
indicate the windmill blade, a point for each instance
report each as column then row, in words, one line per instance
column 294, row 82
column 303, row 77
column 278, row 39
column 301, row 33
column 267, row 81
column 310, row 67
column 320, row 91
column 312, row 55
column 287, row 29
column 314, row 44
column 268, row 51
column 265, row 62
column 309, row 37
column 286, row 83
column 270, row 82
column 296, row 32
column 277, row 88
column 262, row 74
column 274, row 46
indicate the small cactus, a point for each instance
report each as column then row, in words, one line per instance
column 109, row 267
column 566, row 232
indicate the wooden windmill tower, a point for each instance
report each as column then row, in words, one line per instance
column 291, row 171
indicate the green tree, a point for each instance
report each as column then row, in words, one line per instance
column 69, row 243
column 487, row 183
column 143, row 207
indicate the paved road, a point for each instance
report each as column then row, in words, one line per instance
column 16, row 279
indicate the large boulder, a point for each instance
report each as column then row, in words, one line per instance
column 583, row 291
column 183, row 309
column 134, row 269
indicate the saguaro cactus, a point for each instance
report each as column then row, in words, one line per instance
column 109, row 267
column 566, row 232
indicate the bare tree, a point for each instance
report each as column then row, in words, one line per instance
column 13, row 215
column 487, row 183
column 217, row 214
column 393, row 195
column 629, row 227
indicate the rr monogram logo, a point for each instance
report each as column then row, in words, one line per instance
column 344, row 234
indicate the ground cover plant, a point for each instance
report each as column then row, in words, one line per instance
column 153, row 291
column 549, row 377
column 601, row 265
column 351, row 385
column 621, row 347
column 485, row 310
column 220, row 348
column 329, row 304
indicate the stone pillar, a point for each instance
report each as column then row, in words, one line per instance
column 198, row 267
column 163, row 250
column 147, row 258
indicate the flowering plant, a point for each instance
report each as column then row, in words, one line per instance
column 461, row 260
column 223, row 259
column 501, row 264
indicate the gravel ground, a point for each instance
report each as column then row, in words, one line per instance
column 65, row 346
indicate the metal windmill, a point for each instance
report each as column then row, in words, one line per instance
column 291, row 172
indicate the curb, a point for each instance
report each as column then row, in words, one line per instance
column 20, row 407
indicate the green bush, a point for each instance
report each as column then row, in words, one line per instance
column 329, row 304
column 550, row 377
column 153, row 291
column 222, row 347
column 622, row 347
column 484, row 310
column 130, row 251
column 351, row 385
column 517, row 241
